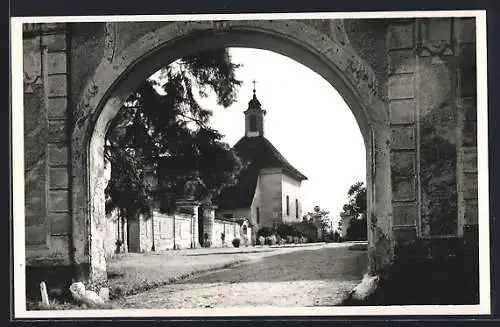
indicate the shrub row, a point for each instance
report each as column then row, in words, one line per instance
column 302, row 232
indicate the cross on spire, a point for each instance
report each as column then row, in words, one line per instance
column 254, row 81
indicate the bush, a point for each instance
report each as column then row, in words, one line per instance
column 285, row 230
column 270, row 240
column 357, row 230
column 236, row 242
column 332, row 237
column 306, row 230
column 265, row 232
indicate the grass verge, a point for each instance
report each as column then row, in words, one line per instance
column 133, row 282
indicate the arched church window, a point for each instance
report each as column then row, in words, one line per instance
column 287, row 205
column 253, row 123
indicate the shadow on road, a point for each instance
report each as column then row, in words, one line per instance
column 338, row 264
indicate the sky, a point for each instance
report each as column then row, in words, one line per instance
column 306, row 120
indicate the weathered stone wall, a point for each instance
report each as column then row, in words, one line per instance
column 402, row 117
column 410, row 84
column 48, row 221
column 166, row 230
column 369, row 38
column 231, row 230
column 466, row 103
column 116, row 230
column 427, row 102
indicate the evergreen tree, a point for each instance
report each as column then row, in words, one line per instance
column 162, row 134
column 355, row 208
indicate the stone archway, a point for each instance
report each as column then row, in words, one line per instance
column 118, row 74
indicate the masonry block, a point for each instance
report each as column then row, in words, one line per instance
column 32, row 58
column 52, row 27
column 57, row 85
column 403, row 188
column 35, row 193
column 470, row 159
column 470, row 133
column 438, row 30
column 57, row 132
column 471, row 212
column 35, row 235
column 55, row 42
column 404, row 234
column 402, row 138
column 467, row 63
column 468, row 105
column 470, row 186
column 58, row 154
column 59, row 200
column 404, row 214
column 59, row 244
column 402, row 111
column 56, row 62
column 401, row 86
column 401, row 36
column 58, row 178
column 401, row 61
column 403, row 163
column 467, row 28
column 57, row 108
column 434, row 86
column 60, row 223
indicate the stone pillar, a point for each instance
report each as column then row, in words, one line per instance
column 209, row 221
column 124, row 234
column 191, row 207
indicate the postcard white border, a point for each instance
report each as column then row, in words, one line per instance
column 483, row 182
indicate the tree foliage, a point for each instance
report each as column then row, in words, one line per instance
column 355, row 209
column 322, row 217
column 162, row 134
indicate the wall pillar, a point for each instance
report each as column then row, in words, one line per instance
column 209, row 221
column 191, row 207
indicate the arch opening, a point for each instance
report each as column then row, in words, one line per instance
column 142, row 63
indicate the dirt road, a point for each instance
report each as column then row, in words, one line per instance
column 316, row 276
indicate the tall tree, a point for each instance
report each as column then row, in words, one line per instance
column 355, row 208
column 162, row 134
column 321, row 218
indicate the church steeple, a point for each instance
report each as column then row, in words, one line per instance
column 254, row 117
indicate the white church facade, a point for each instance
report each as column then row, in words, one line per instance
column 269, row 190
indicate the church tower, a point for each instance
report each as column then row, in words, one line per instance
column 254, row 117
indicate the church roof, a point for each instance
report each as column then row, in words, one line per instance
column 259, row 153
column 254, row 103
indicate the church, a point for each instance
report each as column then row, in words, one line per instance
column 268, row 190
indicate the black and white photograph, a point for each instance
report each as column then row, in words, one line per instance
column 252, row 164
